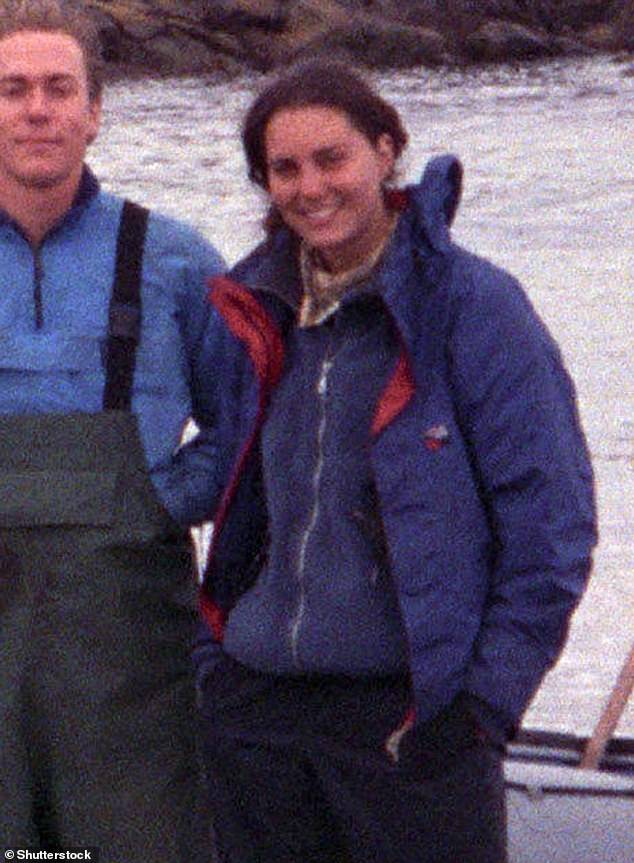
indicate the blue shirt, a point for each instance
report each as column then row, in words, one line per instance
column 54, row 302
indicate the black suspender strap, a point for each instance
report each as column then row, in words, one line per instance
column 124, row 319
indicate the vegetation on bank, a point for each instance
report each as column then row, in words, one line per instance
column 229, row 36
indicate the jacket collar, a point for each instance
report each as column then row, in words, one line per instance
column 418, row 246
column 417, row 254
column 273, row 268
column 87, row 189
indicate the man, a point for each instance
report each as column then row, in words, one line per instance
column 103, row 327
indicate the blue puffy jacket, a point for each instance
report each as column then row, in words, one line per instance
column 483, row 477
column 53, row 324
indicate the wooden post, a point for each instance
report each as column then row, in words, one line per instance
column 609, row 719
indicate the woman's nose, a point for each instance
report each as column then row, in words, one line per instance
column 310, row 181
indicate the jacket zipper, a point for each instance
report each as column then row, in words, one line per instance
column 296, row 623
column 37, row 289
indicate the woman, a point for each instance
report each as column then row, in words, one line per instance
column 407, row 516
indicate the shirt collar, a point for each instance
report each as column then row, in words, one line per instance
column 87, row 189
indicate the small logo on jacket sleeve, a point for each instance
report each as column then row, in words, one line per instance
column 436, row 437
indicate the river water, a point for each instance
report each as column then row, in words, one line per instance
column 548, row 152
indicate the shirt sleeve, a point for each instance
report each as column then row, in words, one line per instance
column 190, row 481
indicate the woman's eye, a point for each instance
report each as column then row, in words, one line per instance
column 330, row 158
column 283, row 168
column 12, row 89
column 60, row 89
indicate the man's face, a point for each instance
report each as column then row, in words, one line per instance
column 47, row 119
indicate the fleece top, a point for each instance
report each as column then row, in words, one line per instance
column 54, row 302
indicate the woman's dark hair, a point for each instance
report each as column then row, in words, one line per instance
column 323, row 83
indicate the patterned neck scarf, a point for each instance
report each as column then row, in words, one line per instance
column 324, row 291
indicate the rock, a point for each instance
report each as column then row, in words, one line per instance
column 265, row 45
column 502, row 41
column 469, row 15
column 268, row 16
column 382, row 45
column 573, row 14
column 602, row 37
column 110, row 35
column 308, row 19
column 570, row 46
column 422, row 13
column 136, row 18
column 624, row 26
column 197, row 35
column 183, row 54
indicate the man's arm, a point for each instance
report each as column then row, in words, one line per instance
column 191, row 480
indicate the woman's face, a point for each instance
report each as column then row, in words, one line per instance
column 325, row 178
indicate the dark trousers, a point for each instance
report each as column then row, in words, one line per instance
column 97, row 609
column 298, row 773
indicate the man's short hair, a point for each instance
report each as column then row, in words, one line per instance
column 58, row 16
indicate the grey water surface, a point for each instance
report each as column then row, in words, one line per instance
column 548, row 151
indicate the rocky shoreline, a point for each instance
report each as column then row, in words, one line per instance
column 198, row 37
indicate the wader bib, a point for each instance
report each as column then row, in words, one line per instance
column 97, row 607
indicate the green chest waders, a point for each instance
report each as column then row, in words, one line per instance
column 97, row 607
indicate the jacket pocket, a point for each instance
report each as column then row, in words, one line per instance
column 437, row 747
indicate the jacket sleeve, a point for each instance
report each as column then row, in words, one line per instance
column 517, row 409
column 191, row 480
